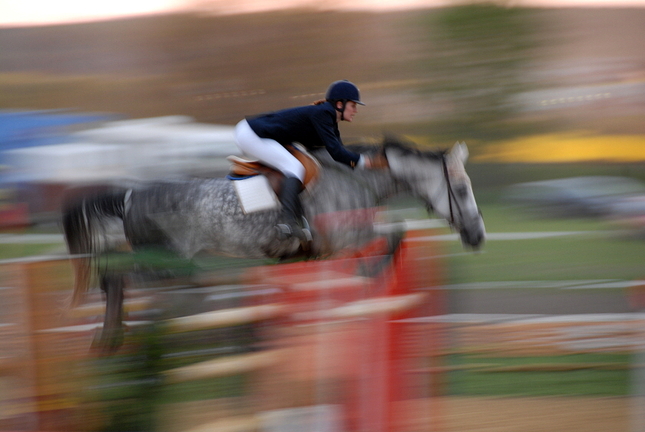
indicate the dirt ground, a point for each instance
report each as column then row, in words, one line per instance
column 448, row 414
column 552, row 414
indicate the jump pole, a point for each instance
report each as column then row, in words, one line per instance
column 44, row 282
column 417, row 268
column 637, row 303
column 406, row 289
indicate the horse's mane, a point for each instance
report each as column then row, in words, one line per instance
column 393, row 141
column 404, row 146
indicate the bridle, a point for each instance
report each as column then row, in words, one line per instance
column 453, row 204
column 452, row 199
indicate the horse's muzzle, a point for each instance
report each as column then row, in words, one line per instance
column 473, row 233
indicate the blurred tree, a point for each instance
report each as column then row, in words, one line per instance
column 480, row 52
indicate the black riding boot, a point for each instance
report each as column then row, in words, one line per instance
column 292, row 222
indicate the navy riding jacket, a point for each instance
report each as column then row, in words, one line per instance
column 311, row 125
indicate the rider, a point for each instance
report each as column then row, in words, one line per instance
column 264, row 136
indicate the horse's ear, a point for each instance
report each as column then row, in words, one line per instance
column 460, row 151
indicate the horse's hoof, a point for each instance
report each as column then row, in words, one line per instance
column 107, row 342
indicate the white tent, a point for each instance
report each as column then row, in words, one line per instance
column 137, row 149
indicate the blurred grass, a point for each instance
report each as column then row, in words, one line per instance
column 601, row 252
column 611, row 380
column 502, row 218
column 14, row 251
column 561, row 258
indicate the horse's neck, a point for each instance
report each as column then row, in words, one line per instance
column 376, row 185
column 381, row 183
column 437, row 179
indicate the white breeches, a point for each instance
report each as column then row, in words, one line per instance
column 268, row 151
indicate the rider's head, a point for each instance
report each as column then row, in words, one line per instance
column 341, row 92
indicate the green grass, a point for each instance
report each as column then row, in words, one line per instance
column 14, row 251
column 495, row 381
column 22, row 250
column 502, row 218
column 599, row 253
column 560, row 258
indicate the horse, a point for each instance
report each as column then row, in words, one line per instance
column 189, row 216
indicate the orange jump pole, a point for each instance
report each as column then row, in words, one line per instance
column 45, row 284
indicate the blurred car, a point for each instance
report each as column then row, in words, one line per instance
column 591, row 196
column 629, row 213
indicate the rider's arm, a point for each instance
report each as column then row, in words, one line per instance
column 325, row 126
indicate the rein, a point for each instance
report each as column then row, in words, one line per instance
column 452, row 200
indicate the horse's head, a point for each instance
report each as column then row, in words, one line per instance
column 440, row 180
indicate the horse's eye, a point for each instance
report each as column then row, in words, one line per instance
column 461, row 191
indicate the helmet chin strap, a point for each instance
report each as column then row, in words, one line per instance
column 341, row 110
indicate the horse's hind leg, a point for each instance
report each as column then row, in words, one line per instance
column 110, row 338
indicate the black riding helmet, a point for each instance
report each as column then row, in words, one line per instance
column 343, row 91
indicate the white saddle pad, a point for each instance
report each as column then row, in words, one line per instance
column 255, row 194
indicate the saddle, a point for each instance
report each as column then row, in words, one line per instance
column 243, row 168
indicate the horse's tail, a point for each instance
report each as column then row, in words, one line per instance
column 82, row 217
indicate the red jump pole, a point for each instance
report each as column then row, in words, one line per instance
column 416, row 270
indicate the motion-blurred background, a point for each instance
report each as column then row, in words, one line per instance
column 562, row 88
column 539, row 94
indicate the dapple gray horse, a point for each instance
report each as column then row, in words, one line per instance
column 204, row 215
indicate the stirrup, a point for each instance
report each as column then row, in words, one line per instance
column 306, row 229
column 302, row 233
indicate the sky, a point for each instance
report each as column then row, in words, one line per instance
column 41, row 12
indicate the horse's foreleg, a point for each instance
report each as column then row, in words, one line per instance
column 82, row 274
column 110, row 338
